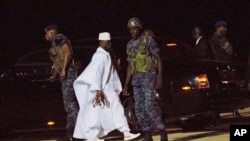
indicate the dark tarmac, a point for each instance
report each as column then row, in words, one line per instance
column 219, row 132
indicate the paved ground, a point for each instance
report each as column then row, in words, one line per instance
column 215, row 133
column 212, row 133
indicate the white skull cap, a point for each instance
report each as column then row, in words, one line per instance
column 104, row 36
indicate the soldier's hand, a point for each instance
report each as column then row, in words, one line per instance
column 125, row 91
column 52, row 78
column 159, row 82
column 62, row 74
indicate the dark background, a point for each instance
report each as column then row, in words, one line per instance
column 22, row 21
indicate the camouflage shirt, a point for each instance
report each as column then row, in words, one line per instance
column 56, row 54
column 140, row 54
column 221, row 48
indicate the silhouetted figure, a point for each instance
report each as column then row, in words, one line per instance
column 221, row 48
column 201, row 45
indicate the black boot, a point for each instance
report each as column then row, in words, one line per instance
column 164, row 135
column 75, row 139
column 148, row 136
column 68, row 135
column 236, row 113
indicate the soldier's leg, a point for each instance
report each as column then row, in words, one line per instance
column 151, row 105
column 140, row 111
column 70, row 105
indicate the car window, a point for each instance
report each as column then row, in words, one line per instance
column 190, row 52
column 175, row 50
column 171, row 52
column 36, row 57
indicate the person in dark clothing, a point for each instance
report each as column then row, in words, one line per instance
column 61, row 55
column 221, row 48
column 201, row 45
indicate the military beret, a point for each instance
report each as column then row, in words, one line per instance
column 51, row 27
column 220, row 23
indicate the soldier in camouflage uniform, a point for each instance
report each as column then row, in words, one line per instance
column 221, row 48
column 61, row 55
column 145, row 69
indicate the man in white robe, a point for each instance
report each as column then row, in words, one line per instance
column 97, row 90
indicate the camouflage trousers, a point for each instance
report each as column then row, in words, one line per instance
column 147, row 109
column 69, row 100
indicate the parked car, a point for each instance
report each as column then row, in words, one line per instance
column 28, row 101
column 195, row 89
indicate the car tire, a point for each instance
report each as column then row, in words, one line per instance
column 196, row 123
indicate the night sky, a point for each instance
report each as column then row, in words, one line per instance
column 22, row 21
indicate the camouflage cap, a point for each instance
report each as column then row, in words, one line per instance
column 134, row 22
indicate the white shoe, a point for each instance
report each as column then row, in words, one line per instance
column 131, row 136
